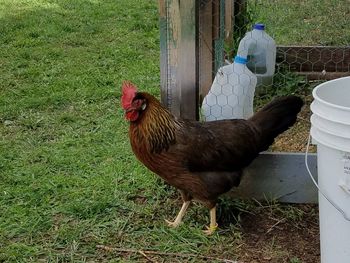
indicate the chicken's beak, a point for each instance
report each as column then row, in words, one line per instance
column 131, row 114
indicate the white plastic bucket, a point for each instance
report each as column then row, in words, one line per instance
column 330, row 129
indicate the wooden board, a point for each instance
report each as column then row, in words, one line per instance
column 206, row 49
column 187, row 64
column 179, row 89
column 163, row 28
column 212, row 25
column 218, row 33
column 279, row 176
column 229, row 14
column 324, row 75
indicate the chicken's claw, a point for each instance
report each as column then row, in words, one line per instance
column 180, row 215
column 210, row 229
column 172, row 224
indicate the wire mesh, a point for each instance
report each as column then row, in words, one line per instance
column 312, row 40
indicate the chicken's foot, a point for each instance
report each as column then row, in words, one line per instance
column 180, row 215
column 213, row 225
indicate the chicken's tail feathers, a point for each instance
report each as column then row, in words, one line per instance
column 276, row 117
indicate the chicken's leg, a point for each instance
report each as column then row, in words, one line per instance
column 181, row 214
column 213, row 225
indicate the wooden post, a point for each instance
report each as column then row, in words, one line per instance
column 229, row 22
column 192, row 36
column 192, row 49
column 218, row 33
column 163, row 28
column 206, row 48
column 211, row 42
column 179, row 85
column 188, row 60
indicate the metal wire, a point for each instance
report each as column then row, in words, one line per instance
column 347, row 217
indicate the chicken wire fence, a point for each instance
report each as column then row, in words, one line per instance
column 305, row 54
column 200, row 37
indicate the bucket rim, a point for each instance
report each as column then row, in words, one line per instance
column 314, row 112
column 316, row 97
column 314, row 131
column 325, row 130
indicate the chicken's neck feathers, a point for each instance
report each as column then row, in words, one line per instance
column 156, row 128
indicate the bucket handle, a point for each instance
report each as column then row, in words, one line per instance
column 317, row 186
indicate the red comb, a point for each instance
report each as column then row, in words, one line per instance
column 128, row 94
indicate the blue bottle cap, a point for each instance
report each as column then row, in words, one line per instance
column 259, row 26
column 240, row 60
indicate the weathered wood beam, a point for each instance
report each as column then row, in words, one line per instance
column 178, row 29
column 324, row 75
column 163, row 28
column 188, row 60
column 229, row 9
column 206, row 48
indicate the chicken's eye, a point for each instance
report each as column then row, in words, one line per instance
column 143, row 106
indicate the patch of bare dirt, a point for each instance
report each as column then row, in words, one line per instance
column 273, row 238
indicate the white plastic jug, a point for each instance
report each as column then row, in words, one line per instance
column 231, row 94
column 260, row 49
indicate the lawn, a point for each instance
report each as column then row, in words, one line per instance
column 69, row 182
column 304, row 22
column 67, row 176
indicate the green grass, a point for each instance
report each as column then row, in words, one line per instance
column 304, row 22
column 66, row 170
column 68, row 179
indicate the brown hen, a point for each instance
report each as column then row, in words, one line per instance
column 202, row 160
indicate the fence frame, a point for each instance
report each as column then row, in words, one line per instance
column 189, row 58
